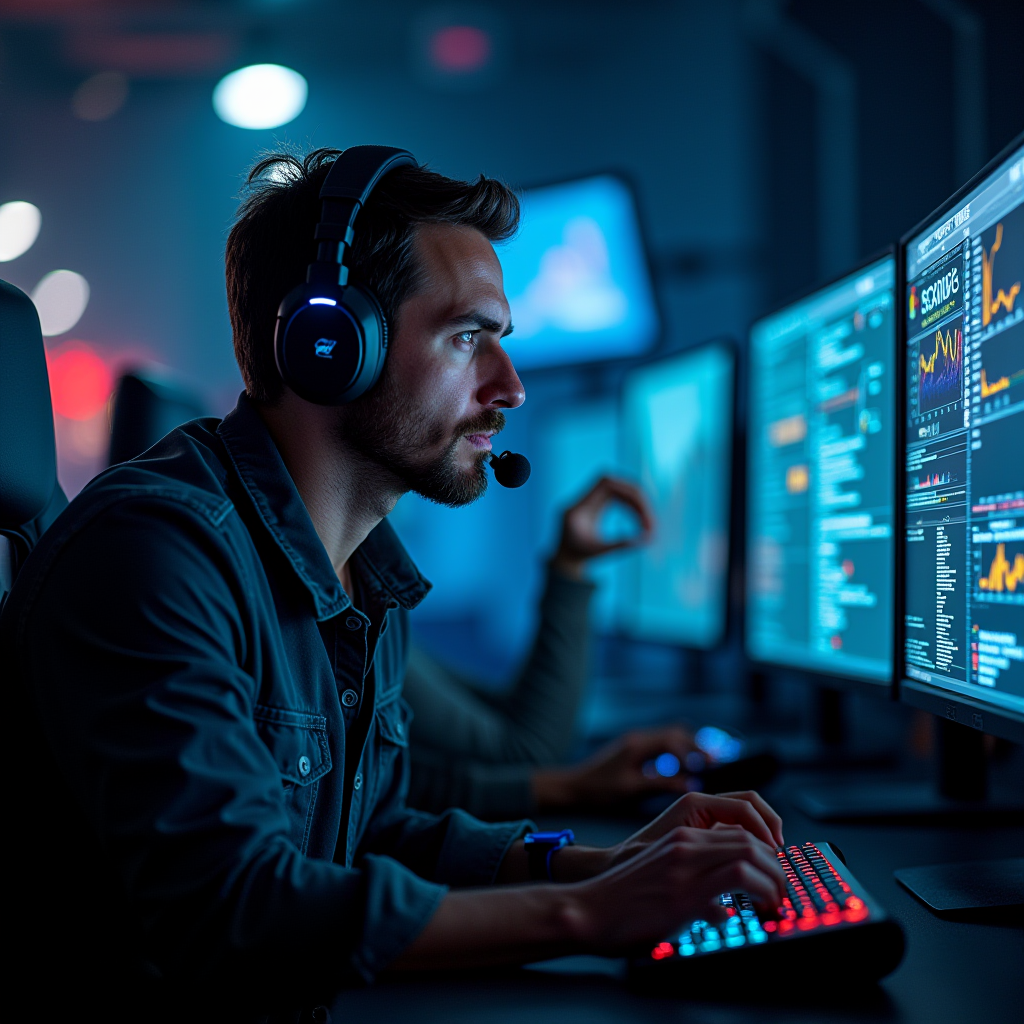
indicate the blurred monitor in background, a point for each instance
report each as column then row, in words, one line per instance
column 146, row 406
column 820, row 480
column 677, row 424
column 576, row 276
column 575, row 446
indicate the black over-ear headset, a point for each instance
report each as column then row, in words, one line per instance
column 331, row 337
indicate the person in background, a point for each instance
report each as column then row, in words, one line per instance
column 498, row 755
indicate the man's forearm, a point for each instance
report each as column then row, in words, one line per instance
column 479, row 927
column 569, row 864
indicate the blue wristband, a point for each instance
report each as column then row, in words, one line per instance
column 539, row 848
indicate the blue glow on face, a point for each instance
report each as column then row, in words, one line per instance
column 666, row 765
column 323, row 302
column 576, row 277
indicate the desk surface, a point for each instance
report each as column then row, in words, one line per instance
column 952, row 971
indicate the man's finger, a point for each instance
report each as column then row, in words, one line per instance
column 735, row 812
column 767, row 812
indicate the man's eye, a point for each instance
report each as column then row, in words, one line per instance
column 466, row 338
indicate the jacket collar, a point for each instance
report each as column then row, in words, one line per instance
column 262, row 473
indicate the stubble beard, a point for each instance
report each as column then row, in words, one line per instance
column 383, row 427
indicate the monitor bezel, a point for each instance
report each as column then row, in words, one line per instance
column 731, row 347
column 1002, row 722
column 658, row 337
column 827, row 676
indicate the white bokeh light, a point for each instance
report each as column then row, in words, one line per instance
column 19, row 228
column 60, row 298
column 260, row 96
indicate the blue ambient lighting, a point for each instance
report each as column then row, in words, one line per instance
column 667, row 765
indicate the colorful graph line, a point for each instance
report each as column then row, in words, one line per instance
column 1002, row 384
column 1001, row 574
column 940, row 384
column 990, row 306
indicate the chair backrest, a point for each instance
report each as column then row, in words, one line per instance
column 147, row 405
column 28, row 453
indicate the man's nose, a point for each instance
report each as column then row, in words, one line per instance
column 501, row 388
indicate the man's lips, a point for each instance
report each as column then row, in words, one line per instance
column 481, row 440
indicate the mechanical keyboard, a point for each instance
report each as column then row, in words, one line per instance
column 827, row 919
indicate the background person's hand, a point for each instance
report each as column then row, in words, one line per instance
column 581, row 537
column 615, row 775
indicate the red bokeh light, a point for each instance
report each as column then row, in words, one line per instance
column 80, row 382
column 460, row 49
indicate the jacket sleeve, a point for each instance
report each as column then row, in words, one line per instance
column 136, row 645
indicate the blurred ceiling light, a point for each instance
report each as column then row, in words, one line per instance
column 60, row 298
column 260, row 96
column 460, row 49
column 100, row 96
column 80, row 381
column 19, row 228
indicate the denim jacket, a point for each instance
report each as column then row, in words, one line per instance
column 194, row 668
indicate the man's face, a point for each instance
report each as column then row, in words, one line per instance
column 447, row 378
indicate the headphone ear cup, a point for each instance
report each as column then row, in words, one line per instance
column 329, row 343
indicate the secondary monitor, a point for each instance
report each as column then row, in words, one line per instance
column 821, row 480
column 576, row 276
column 963, row 318
column 677, row 425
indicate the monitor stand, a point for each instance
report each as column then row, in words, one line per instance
column 829, row 746
column 993, row 888
column 959, row 792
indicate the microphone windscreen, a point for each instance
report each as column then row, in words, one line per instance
column 510, row 469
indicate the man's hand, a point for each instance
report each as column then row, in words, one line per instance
column 676, row 879
column 614, row 774
column 746, row 812
column 581, row 535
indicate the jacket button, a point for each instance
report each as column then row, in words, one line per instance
column 354, row 623
column 304, row 765
column 357, row 782
column 350, row 698
column 399, row 728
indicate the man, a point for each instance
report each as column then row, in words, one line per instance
column 497, row 754
column 207, row 651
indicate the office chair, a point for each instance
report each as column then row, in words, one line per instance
column 30, row 497
column 147, row 405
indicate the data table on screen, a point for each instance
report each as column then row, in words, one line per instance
column 820, row 479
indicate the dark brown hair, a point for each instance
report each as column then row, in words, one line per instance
column 271, row 243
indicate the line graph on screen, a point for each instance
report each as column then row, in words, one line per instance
column 941, row 367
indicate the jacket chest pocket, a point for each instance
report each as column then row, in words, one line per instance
column 392, row 740
column 298, row 744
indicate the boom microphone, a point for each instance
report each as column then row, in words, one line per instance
column 510, row 469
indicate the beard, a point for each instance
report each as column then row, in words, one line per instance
column 383, row 427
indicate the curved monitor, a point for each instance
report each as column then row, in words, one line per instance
column 963, row 321
column 677, row 436
column 821, row 480
column 576, row 276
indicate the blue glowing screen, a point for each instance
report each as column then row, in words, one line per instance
column 677, row 442
column 576, row 276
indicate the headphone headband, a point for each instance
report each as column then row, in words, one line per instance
column 349, row 182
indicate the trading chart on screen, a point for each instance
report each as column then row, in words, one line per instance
column 965, row 444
